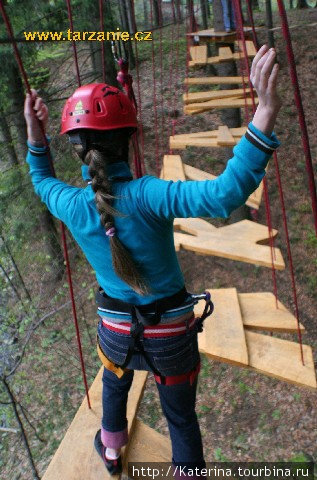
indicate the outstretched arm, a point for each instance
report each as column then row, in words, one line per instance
column 61, row 199
column 243, row 173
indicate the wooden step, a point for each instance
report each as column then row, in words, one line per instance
column 268, row 355
column 76, row 457
column 209, row 35
column 281, row 359
column 194, row 108
column 215, row 80
column 213, row 94
column 148, row 446
column 259, row 312
column 223, row 336
column 236, row 241
column 199, row 54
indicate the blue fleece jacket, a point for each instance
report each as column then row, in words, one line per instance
column 150, row 206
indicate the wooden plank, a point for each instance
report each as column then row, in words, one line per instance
column 193, row 108
column 78, row 442
column 236, row 241
column 213, row 94
column 225, row 54
column 225, row 137
column 147, row 445
column 223, row 335
column 251, row 51
column 215, row 80
column 259, row 312
column 173, row 168
column 210, row 33
column 199, row 54
column 182, row 143
column 281, row 359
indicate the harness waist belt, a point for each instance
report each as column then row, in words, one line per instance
column 149, row 314
column 155, row 331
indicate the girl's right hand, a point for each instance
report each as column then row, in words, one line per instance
column 264, row 73
column 35, row 110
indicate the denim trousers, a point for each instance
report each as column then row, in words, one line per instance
column 170, row 356
column 228, row 15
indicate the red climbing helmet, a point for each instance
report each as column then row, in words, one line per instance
column 98, row 106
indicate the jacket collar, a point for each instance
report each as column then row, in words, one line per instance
column 119, row 170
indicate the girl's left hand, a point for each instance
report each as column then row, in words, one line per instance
column 35, row 110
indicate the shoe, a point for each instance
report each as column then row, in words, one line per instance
column 114, row 467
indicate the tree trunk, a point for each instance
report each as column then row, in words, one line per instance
column 23, row 432
column 7, row 141
column 16, row 99
column 46, row 219
column 125, row 25
column 269, row 23
column 130, row 16
column 179, row 11
column 192, row 20
column 203, row 8
column 173, row 11
column 155, row 5
column 146, row 13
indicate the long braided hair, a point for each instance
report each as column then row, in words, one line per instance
column 97, row 157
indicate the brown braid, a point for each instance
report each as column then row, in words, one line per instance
column 122, row 261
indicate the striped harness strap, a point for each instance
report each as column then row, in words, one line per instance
column 147, row 327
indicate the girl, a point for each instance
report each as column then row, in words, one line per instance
column 125, row 228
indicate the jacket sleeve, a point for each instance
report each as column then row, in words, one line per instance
column 212, row 198
column 61, row 199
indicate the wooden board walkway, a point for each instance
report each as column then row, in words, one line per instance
column 226, row 338
column 199, row 54
column 209, row 35
column 236, row 242
column 221, row 137
column 215, row 80
column 228, row 102
column 198, row 97
column 265, row 354
column 187, row 172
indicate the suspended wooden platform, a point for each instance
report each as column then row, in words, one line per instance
column 200, row 97
column 236, row 242
column 199, row 54
column 221, row 137
column 236, row 100
column 174, row 169
column 227, row 336
column 215, row 80
column 210, row 35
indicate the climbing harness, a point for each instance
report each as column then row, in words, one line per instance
column 145, row 324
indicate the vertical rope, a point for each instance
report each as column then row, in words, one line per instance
column 102, row 43
column 140, row 129
column 285, row 224
column 239, row 21
column 300, row 109
column 157, row 162
column 70, row 19
column 63, row 233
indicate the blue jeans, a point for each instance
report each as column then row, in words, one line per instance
column 228, row 15
column 170, row 356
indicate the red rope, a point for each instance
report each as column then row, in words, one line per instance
column 300, row 109
column 70, row 18
column 102, row 43
column 161, row 75
column 63, row 233
column 289, row 250
column 140, row 129
column 157, row 162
